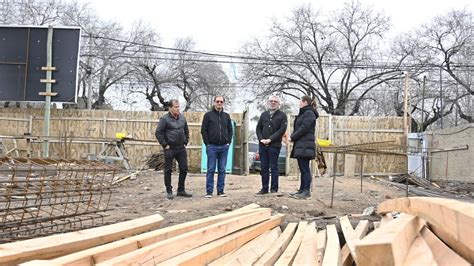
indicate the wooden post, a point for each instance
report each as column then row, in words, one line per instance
column 245, row 143
column 48, row 94
column 288, row 146
column 361, row 170
column 334, row 167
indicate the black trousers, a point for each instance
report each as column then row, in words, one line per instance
column 178, row 153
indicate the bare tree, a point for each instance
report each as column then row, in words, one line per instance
column 330, row 58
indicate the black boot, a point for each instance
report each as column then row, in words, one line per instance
column 304, row 194
column 183, row 194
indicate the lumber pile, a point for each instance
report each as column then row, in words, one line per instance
column 412, row 231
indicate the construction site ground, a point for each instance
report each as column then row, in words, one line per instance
column 145, row 195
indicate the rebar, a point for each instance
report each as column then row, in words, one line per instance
column 44, row 196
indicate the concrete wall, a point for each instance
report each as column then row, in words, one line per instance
column 452, row 154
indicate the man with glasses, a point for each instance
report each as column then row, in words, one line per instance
column 270, row 130
column 216, row 131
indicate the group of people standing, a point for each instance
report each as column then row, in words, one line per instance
column 216, row 130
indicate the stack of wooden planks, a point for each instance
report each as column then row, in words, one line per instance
column 413, row 231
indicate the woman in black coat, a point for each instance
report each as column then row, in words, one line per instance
column 304, row 147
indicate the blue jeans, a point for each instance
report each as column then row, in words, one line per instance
column 216, row 153
column 305, row 181
column 269, row 160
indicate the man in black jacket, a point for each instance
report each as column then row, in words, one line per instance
column 270, row 130
column 173, row 134
column 216, row 131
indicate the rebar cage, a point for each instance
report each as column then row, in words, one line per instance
column 40, row 197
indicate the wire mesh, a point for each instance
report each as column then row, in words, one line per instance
column 40, row 197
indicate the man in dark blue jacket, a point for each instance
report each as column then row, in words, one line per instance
column 216, row 131
column 270, row 130
column 173, row 134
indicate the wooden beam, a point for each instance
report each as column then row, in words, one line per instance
column 332, row 254
column 454, row 218
column 105, row 252
column 321, row 245
column 61, row 244
column 213, row 250
column 250, row 252
column 271, row 255
column 360, row 231
column 166, row 249
column 389, row 244
column 349, row 235
column 419, row 254
column 308, row 251
column 290, row 252
column 443, row 255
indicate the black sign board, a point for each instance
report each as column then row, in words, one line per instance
column 23, row 53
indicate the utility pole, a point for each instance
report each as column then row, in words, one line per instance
column 441, row 93
column 423, row 103
column 47, row 105
column 89, row 73
column 405, row 106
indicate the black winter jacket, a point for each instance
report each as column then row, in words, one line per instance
column 172, row 131
column 272, row 128
column 303, row 134
column 216, row 128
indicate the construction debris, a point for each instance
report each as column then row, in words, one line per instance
column 252, row 236
column 44, row 196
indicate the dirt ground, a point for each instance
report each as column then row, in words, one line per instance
column 145, row 195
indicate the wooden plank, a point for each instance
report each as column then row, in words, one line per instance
column 360, row 231
column 419, row 254
column 213, row 250
column 166, row 249
column 321, row 245
column 102, row 253
column 271, row 255
column 389, row 244
column 349, row 235
column 455, row 218
column 308, row 251
column 332, row 254
column 61, row 244
column 443, row 255
column 250, row 252
column 290, row 252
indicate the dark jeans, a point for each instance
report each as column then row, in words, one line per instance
column 216, row 153
column 269, row 160
column 305, row 181
column 178, row 153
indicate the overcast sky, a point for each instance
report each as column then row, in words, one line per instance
column 223, row 26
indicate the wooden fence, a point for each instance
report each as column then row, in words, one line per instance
column 103, row 124
column 346, row 130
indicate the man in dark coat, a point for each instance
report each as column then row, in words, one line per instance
column 270, row 129
column 173, row 134
column 216, row 131
column 304, row 147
